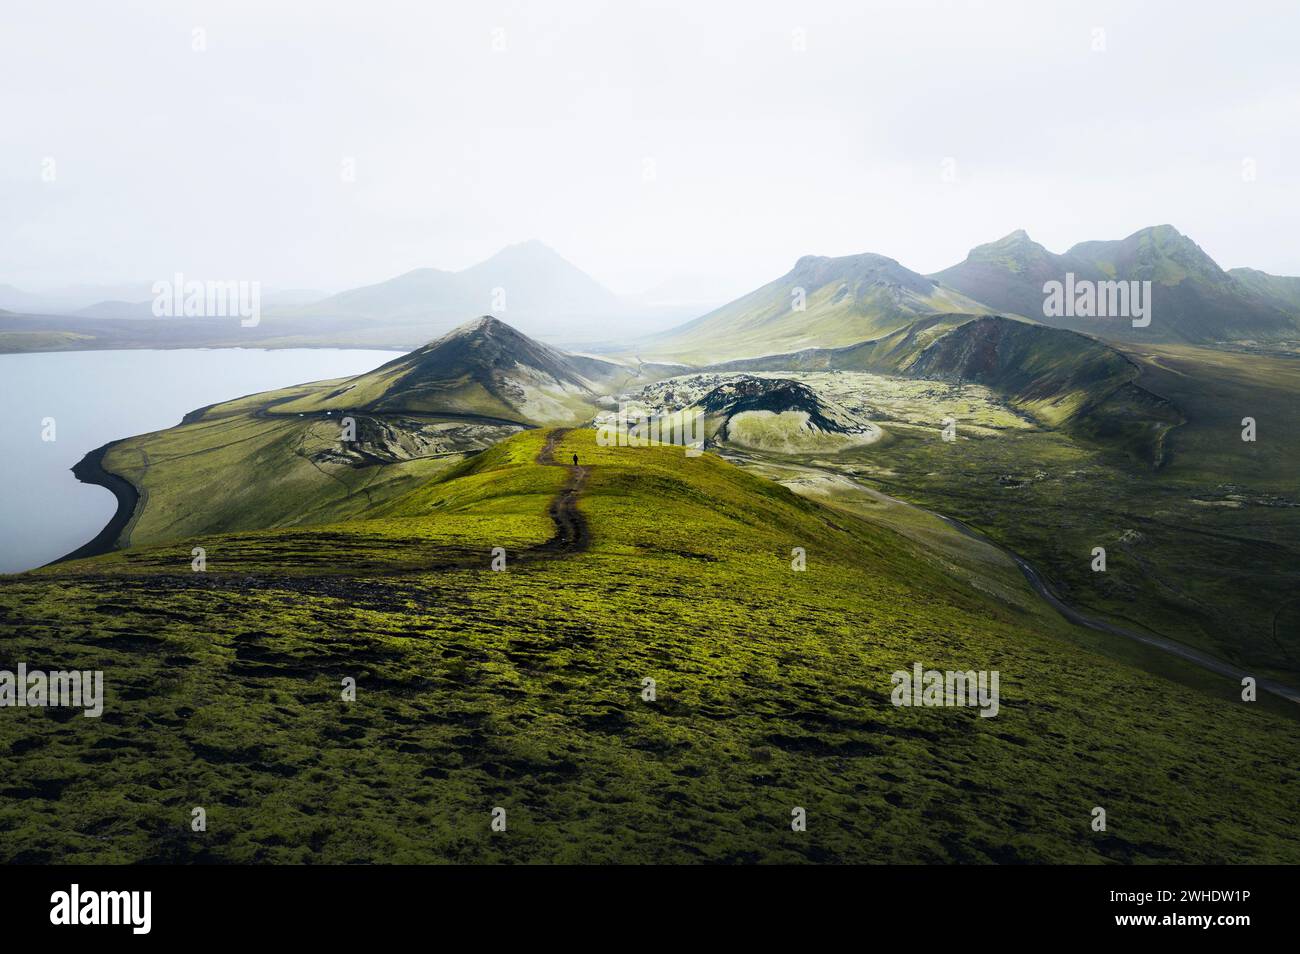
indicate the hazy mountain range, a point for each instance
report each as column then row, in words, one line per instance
column 820, row 303
column 530, row 283
column 127, row 300
column 863, row 297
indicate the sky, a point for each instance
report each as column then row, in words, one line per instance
column 326, row 145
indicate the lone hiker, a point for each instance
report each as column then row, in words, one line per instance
column 575, row 460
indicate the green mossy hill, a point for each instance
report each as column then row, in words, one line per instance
column 526, row 689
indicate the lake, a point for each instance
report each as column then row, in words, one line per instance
column 94, row 397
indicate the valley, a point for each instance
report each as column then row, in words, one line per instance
column 1055, row 448
column 1053, row 494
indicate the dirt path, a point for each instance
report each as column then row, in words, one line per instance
column 572, row 536
column 571, row 532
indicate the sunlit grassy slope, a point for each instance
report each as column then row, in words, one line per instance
column 248, row 464
column 820, row 303
column 523, row 690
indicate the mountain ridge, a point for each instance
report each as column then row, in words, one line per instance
column 1192, row 298
column 822, row 301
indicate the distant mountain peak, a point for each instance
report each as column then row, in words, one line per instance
column 539, row 287
column 527, row 245
column 531, row 250
column 1164, row 231
column 1158, row 252
column 863, row 269
column 1015, row 245
column 861, row 258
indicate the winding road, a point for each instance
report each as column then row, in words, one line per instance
column 1045, row 592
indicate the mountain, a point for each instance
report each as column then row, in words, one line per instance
column 537, row 281
column 484, row 368
column 1008, row 275
column 1279, row 291
column 531, row 283
column 541, row 292
column 1062, row 378
column 846, row 300
column 1192, row 298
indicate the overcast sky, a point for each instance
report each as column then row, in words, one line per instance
column 668, row 142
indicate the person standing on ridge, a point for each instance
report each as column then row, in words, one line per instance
column 575, row 460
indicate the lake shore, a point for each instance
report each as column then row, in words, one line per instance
column 90, row 470
column 101, row 396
